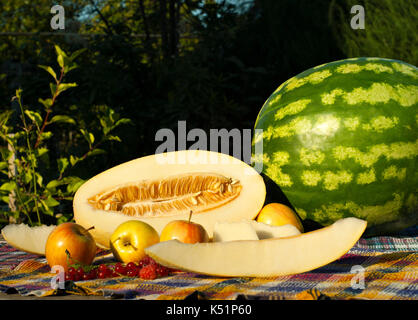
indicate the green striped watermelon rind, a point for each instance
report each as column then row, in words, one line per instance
column 340, row 140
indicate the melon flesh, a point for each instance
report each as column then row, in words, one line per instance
column 251, row 230
column 26, row 238
column 265, row 231
column 243, row 204
column 231, row 231
column 262, row 258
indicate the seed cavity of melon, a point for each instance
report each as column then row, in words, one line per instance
column 176, row 194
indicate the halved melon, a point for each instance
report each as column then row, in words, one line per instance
column 160, row 188
column 262, row 258
column 26, row 238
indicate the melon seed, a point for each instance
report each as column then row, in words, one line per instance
column 169, row 196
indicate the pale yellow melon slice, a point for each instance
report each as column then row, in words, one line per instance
column 251, row 230
column 231, row 231
column 26, row 238
column 262, row 258
column 265, row 231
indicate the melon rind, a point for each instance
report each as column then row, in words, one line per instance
column 245, row 206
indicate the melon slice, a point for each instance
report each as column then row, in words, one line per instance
column 262, row 258
column 163, row 187
column 251, row 230
column 266, row 231
column 231, row 231
column 26, row 238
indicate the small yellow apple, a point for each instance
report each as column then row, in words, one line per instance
column 184, row 231
column 130, row 239
column 277, row 214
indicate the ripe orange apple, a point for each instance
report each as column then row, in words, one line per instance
column 130, row 239
column 73, row 238
column 277, row 214
column 184, row 231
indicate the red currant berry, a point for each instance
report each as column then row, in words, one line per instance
column 131, row 266
column 68, row 277
column 80, row 272
column 72, row 271
column 132, row 272
column 92, row 274
column 102, row 275
column 102, row 268
column 162, row 271
column 120, row 269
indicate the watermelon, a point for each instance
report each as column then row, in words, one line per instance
column 340, row 140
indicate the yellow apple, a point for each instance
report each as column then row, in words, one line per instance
column 184, row 231
column 130, row 239
column 277, row 214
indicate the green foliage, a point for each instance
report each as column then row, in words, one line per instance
column 35, row 193
column 390, row 29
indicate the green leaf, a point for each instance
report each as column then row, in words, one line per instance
column 114, row 138
column 62, row 118
column 72, row 67
column 75, row 54
column 8, row 186
column 51, row 202
column 53, row 88
column 96, row 152
column 46, row 135
column 41, row 153
column 62, row 164
column 64, row 86
column 49, row 70
column 60, row 52
column 61, row 56
column 54, row 183
column 74, row 160
column 27, row 177
column 88, row 136
column 46, row 208
column 60, row 60
column 39, row 179
column 123, row 121
column 34, row 116
column 4, row 165
column 47, row 103
column 75, row 183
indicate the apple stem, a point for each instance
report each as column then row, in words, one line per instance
column 190, row 215
column 90, row 228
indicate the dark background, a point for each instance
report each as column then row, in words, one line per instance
column 211, row 63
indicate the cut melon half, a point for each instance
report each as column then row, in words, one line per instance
column 163, row 187
column 262, row 258
column 26, row 238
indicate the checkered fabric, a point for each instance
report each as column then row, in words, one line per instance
column 376, row 268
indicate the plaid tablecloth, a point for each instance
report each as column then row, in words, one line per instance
column 376, row 268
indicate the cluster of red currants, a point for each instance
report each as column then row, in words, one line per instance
column 147, row 268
